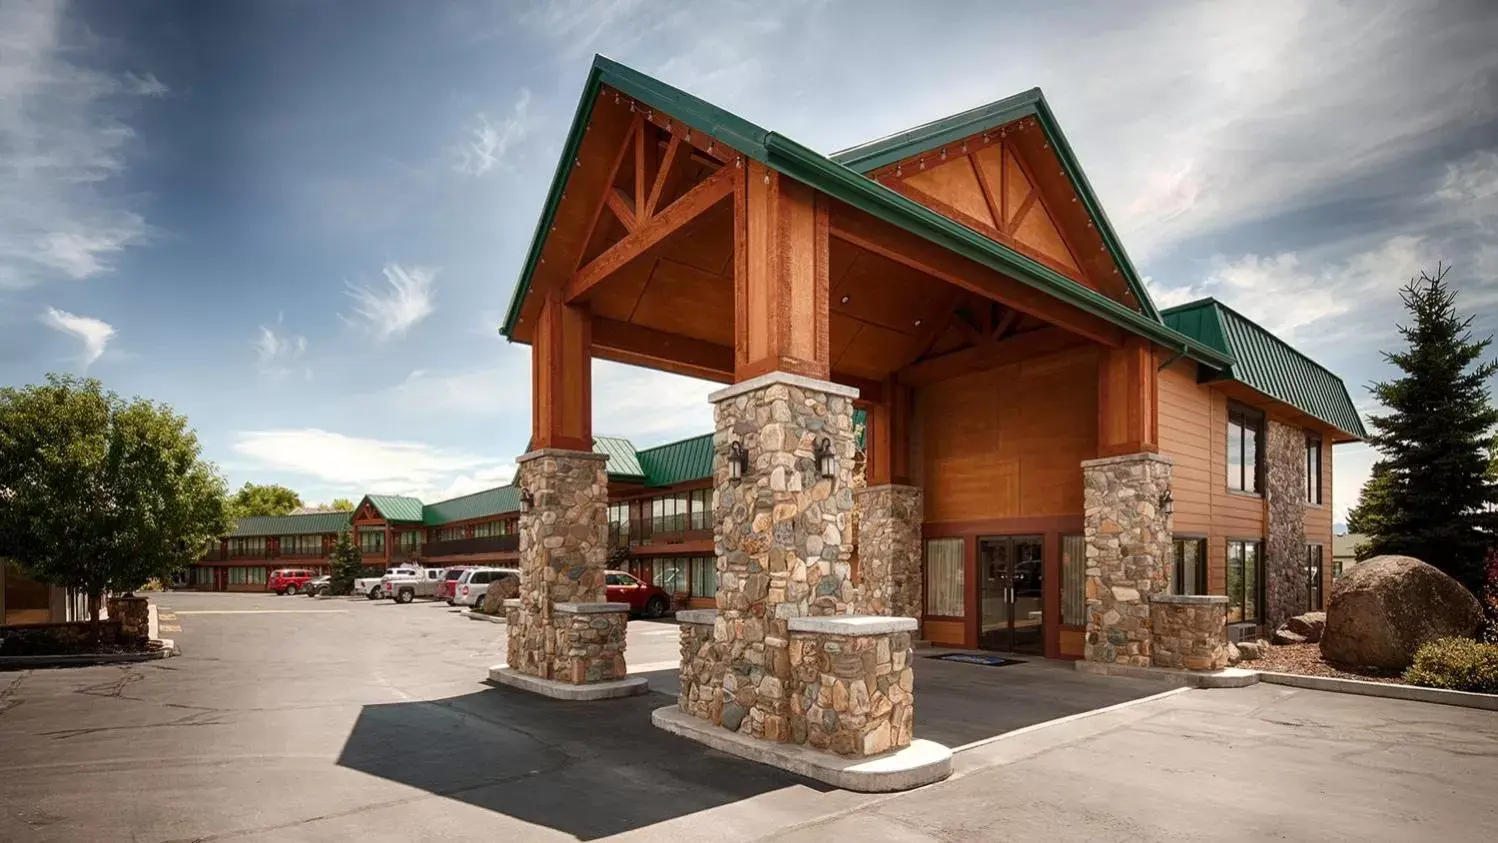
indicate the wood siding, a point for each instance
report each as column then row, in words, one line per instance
column 1319, row 520
column 1008, row 442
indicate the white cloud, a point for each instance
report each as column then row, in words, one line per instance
column 649, row 407
column 491, row 141
column 276, row 353
column 482, row 392
column 353, row 465
column 145, row 86
column 62, row 135
column 406, row 299
column 94, row 333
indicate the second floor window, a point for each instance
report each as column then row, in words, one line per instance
column 372, row 540
column 1313, row 468
column 1244, row 431
column 247, row 547
column 301, row 545
column 702, row 508
column 409, row 540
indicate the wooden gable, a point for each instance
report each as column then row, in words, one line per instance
column 1007, row 184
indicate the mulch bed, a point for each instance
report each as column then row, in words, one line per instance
column 1305, row 659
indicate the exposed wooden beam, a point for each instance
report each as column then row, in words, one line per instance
column 933, row 330
column 977, row 358
column 709, row 192
column 640, row 346
column 1128, row 396
column 672, row 162
column 1025, row 205
column 1005, row 324
column 608, row 188
column 619, row 204
column 864, row 231
column 991, row 194
column 974, row 333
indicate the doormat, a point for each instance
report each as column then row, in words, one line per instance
column 973, row 658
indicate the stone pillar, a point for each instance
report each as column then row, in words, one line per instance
column 561, row 629
column 782, row 536
column 701, row 671
column 889, row 550
column 133, row 615
column 1128, row 553
column 1285, row 523
column 1189, row 631
column 852, row 684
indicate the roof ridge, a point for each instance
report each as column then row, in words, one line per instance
column 673, row 442
column 1025, row 97
column 1272, row 335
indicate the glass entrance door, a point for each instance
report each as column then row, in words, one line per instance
column 1011, row 603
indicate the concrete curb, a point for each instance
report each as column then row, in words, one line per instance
column 168, row 650
column 613, row 689
column 1394, row 691
column 1228, row 677
column 922, row 763
column 480, row 616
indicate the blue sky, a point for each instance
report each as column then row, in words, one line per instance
column 299, row 223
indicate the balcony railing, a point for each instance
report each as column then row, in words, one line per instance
column 462, row 547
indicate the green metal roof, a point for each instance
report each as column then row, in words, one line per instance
column 875, row 154
column 622, row 460
column 847, row 185
column 1268, row 364
column 497, row 501
column 291, row 525
column 396, row 507
column 678, row 462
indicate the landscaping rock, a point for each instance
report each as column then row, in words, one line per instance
column 1285, row 636
column 1250, row 650
column 1384, row 608
column 497, row 593
column 1310, row 625
column 1234, row 655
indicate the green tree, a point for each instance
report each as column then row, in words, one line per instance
column 267, row 499
column 99, row 494
column 1442, row 505
column 341, row 505
column 1369, row 516
column 346, row 563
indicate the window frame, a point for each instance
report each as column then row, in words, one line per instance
column 1315, row 577
column 1178, row 575
column 1314, row 484
column 1241, row 601
column 1245, row 418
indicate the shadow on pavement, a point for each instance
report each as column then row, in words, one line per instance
column 589, row 769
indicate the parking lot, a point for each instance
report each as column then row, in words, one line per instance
column 289, row 718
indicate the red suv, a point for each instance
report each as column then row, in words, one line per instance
column 289, row 580
column 642, row 598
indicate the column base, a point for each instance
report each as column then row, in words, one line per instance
column 612, row 689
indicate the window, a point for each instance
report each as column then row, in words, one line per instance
column 246, row 576
column 1245, row 577
column 1244, row 426
column 301, row 545
column 202, row 575
column 669, row 513
column 669, row 574
column 1336, row 568
column 447, row 534
column 618, row 523
column 372, row 540
column 620, row 580
column 247, row 547
column 488, row 529
column 1073, row 581
column 705, row 576
column 1190, row 567
column 944, row 567
column 1313, row 578
column 1313, row 468
column 702, row 509
column 409, row 540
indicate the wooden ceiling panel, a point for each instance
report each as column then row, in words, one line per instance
column 705, row 244
column 887, row 294
column 615, row 296
column 683, row 300
column 1037, row 231
column 842, row 331
column 876, row 352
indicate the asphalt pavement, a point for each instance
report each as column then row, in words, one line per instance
column 288, row 718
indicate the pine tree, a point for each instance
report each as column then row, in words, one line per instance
column 1370, row 515
column 1442, row 505
column 346, row 563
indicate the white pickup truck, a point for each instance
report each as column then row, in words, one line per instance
column 407, row 584
column 371, row 587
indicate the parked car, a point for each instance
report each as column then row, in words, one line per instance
column 407, row 584
column 289, row 580
column 318, row 586
column 448, row 588
column 370, row 586
column 474, row 584
column 643, row 598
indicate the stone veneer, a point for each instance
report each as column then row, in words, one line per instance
column 1128, row 553
column 889, row 550
column 1189, row 631
column 701, row 671
column 1285, row 527
column 781, row 537
column 134, row 616
column 586, row 643
column 563, row 545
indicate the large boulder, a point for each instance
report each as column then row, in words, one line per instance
column 497, row 593
column 1384, row 608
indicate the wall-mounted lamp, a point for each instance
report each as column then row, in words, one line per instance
column 826, row 460
column 738, row 461
column 1167, row 503
column 526, row 501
